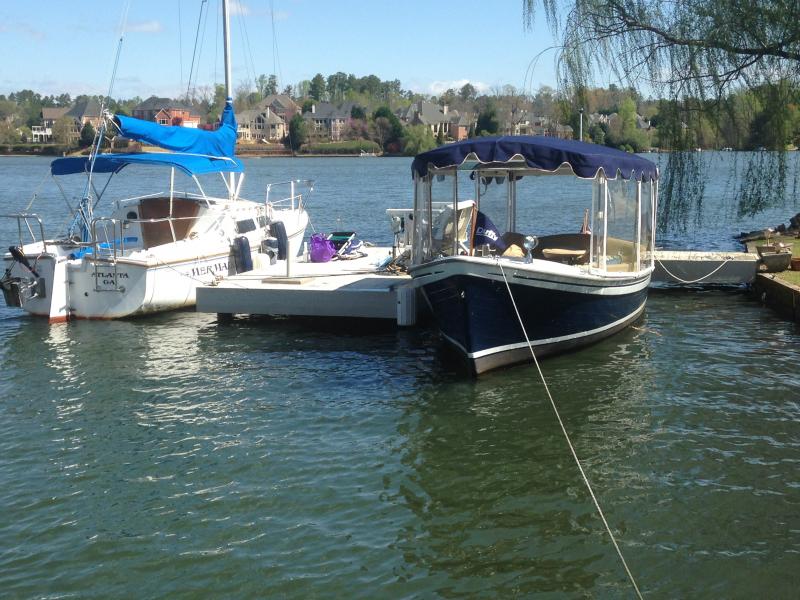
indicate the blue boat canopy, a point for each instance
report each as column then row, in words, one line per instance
column 114, row 163
column 217, row 144
column 539, row 152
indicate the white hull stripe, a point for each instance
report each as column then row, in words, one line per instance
column 543, row 342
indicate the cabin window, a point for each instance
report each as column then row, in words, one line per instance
column 622, row 223
column 598, row 223
column 245, row 225
column 646, row 224
column 421, row 249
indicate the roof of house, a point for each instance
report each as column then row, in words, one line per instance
column 84, row 108
column 278, row 102
column 156, row 103
column 52, row 114
column 326, row 110
column 250, row 115
column 429, row 113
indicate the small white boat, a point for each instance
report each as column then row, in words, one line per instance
column 496, row 297
column 148, row 253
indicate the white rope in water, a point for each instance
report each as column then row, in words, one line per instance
column 676, row 278
column 566, row 436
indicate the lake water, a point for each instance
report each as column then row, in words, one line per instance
column 172, row 456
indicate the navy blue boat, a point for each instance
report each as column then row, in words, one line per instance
column 495, row 296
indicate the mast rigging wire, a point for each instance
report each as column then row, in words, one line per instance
column 84, row 211
column 195, row 54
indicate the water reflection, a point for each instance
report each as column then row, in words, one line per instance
column 491, row 483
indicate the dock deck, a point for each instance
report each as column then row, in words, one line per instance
column 339, row 288
column 690, row 267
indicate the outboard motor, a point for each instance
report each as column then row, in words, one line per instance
column 18, row 290
column 18, row 255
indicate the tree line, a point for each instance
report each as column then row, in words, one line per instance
column 745, row 118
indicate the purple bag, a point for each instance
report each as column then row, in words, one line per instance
column 321, row 249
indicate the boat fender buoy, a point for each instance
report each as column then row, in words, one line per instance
column 278, row 231
column 242, row 258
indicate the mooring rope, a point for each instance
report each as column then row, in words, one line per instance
column 566, row 436
column 676, row 278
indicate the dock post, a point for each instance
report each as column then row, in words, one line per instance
column 406, row 305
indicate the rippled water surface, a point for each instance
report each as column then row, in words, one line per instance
column 173, row 456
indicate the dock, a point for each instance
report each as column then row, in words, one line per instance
column 361, row 289
column 675, row 268
column 351, row 289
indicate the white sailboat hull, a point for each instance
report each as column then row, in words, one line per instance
column 158, row 279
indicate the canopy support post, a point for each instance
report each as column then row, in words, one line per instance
column 171, row 195
column 455, row 212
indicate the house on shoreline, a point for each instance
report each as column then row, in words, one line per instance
column 268, row 121
column 81, row 113
column 450, row 124
column 166, row 111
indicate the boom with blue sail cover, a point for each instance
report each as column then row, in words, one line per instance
column 219, row 144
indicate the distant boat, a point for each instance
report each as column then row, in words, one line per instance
column 497, row 297
column 152, row 251
column 364, row 153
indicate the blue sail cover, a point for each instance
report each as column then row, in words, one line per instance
column 219, row 144
column 539, row 152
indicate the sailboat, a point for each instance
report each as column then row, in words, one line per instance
column 152, row 251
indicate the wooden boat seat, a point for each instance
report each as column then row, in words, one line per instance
column 184, row 213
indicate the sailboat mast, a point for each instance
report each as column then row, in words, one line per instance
column 226, row 42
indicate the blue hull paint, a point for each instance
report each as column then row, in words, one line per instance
column 477, row 315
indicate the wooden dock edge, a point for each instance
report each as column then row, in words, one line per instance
column 781, row 296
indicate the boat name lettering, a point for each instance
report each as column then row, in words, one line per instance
column 108, row 278
column 209, row 269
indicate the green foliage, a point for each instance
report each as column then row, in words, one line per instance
column 391, row 132
column 62, row 130
column 357, row 113
column 87, row 135
column 298, row 133
column 467, row 92
column 8, row 133
column 488, row 123
column 418, row 138
column 317, row 88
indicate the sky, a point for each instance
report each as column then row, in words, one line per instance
column 57, row 46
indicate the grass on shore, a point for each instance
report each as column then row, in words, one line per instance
column 788, row 276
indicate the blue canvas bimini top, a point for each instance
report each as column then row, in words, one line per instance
column 539, row 152
column 114, row 163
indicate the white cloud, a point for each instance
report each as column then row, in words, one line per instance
column 145, row 27
column 24, row 29
column 239, row 8
column 436, row 88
